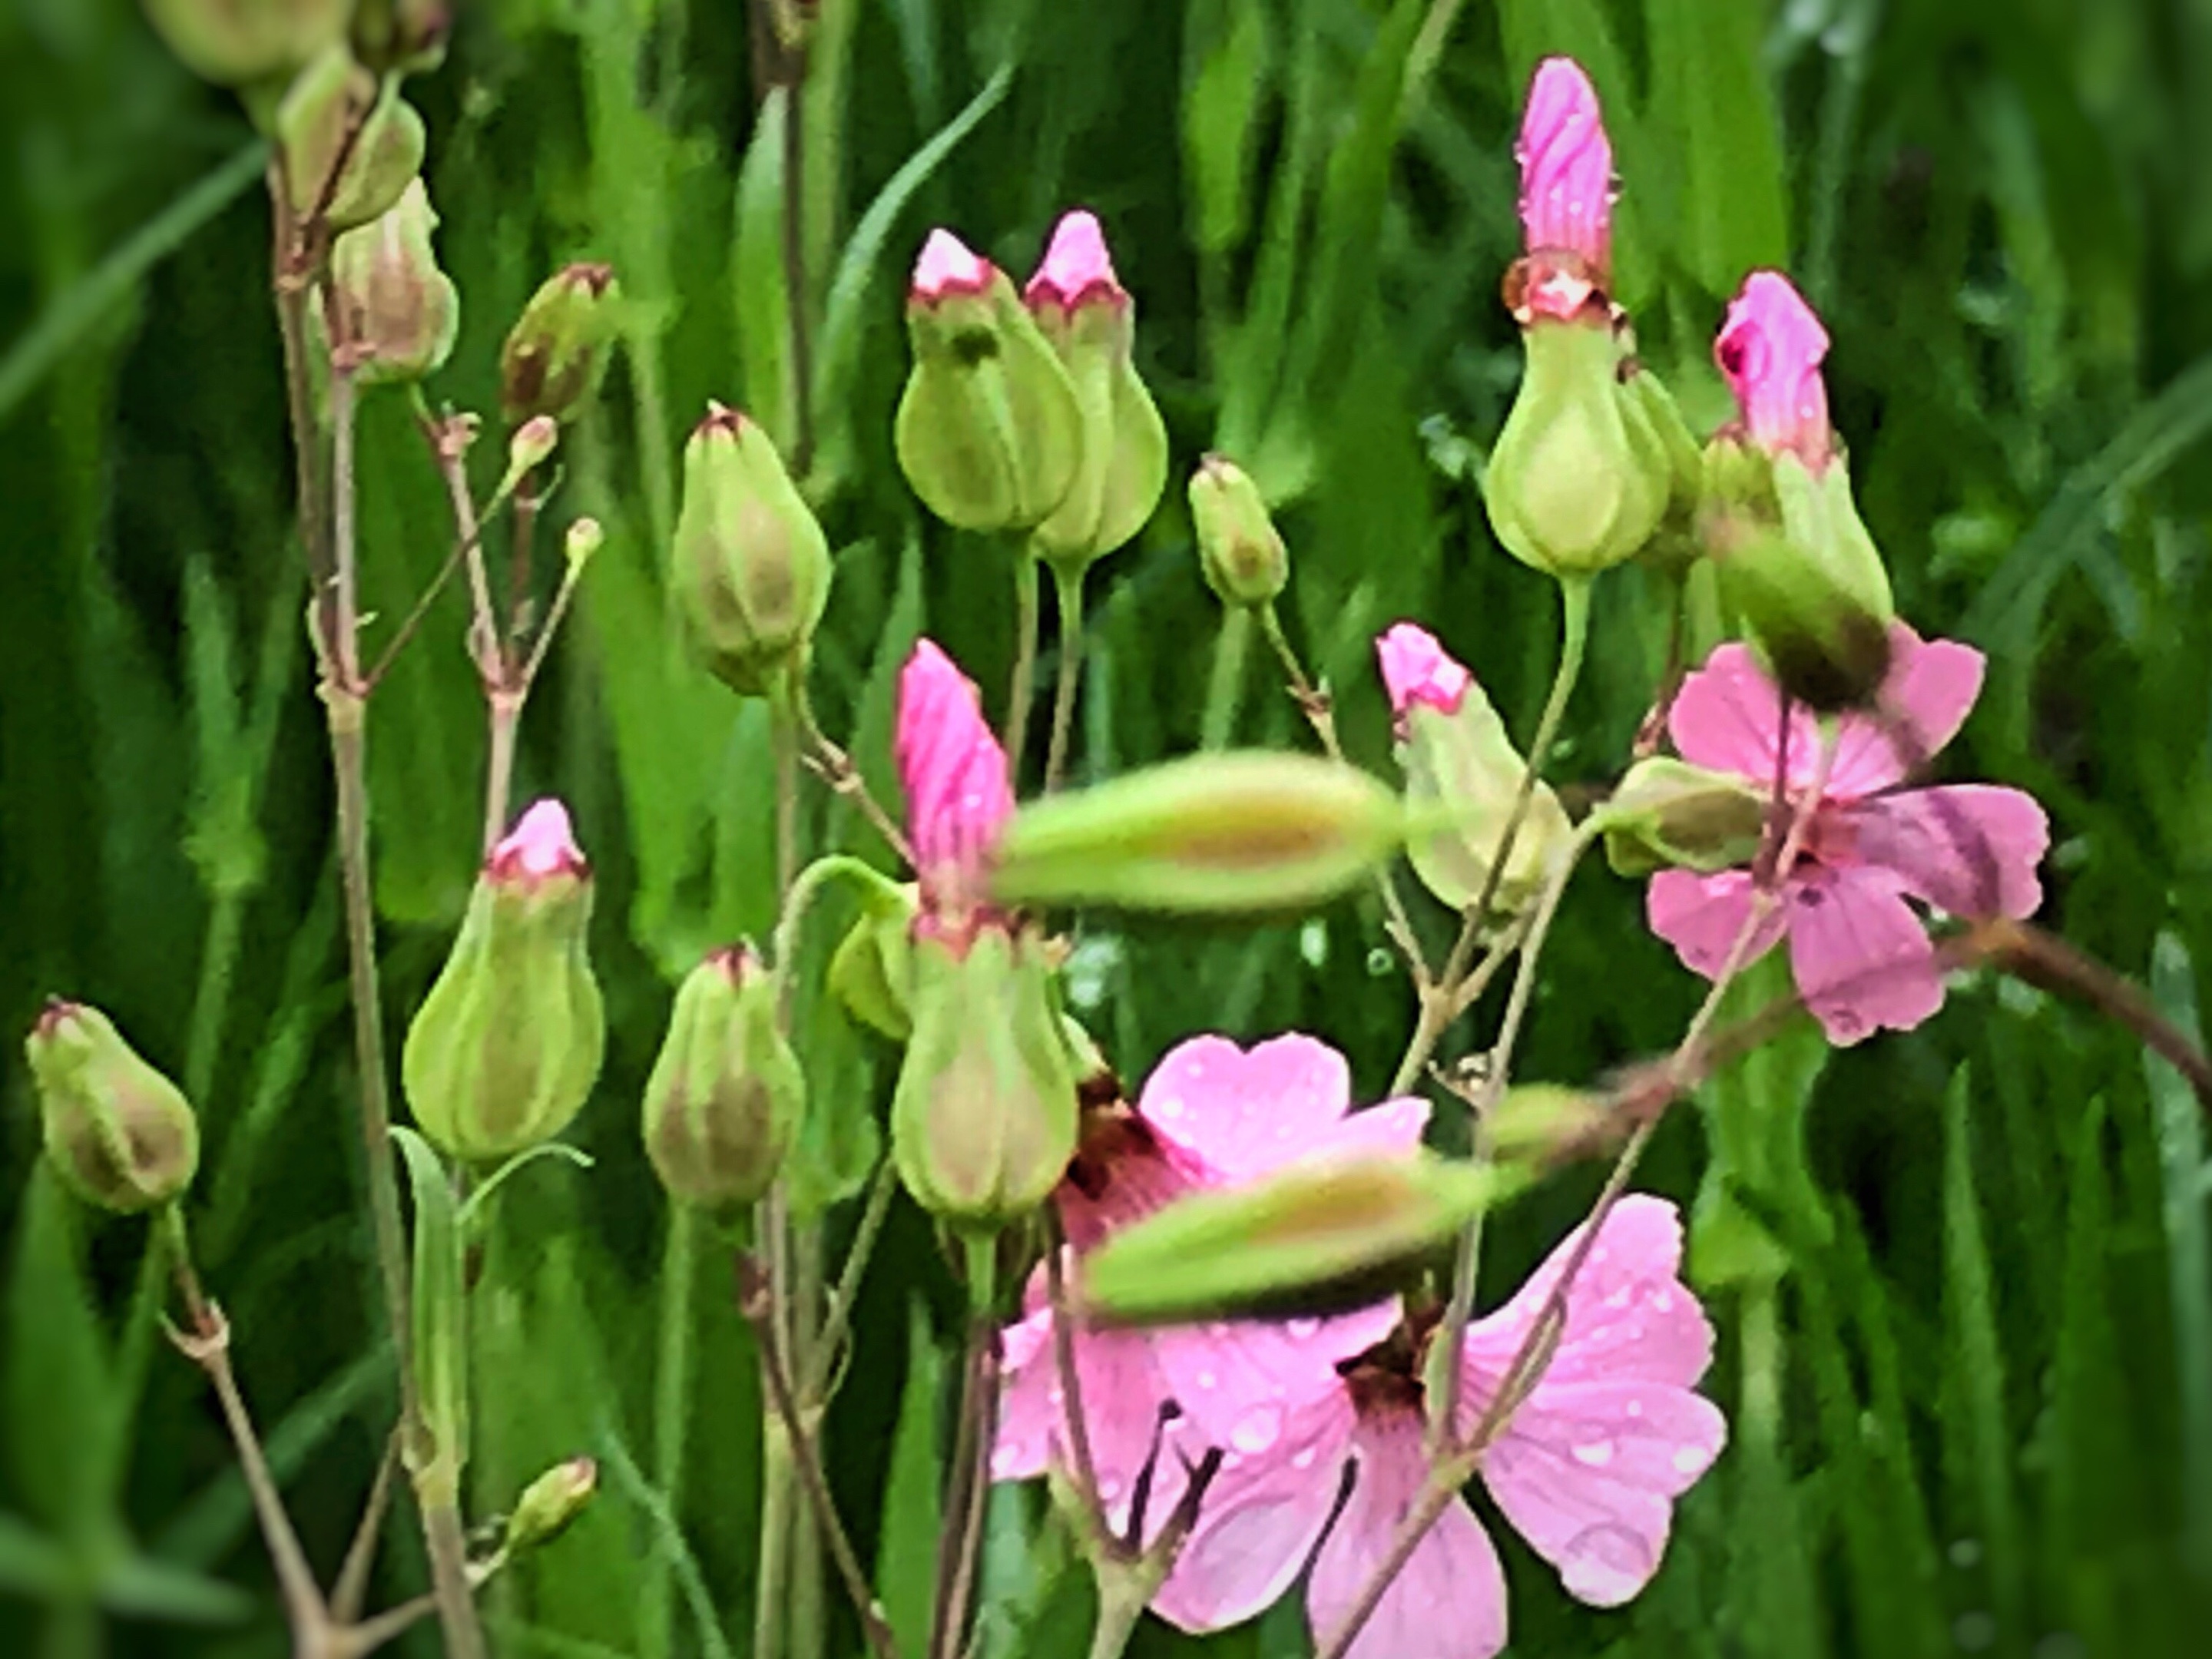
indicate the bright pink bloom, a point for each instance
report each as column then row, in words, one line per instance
column 1861, row 959
column 1566, row 190
column 1587, row 1469
column 1077, row 267
column 948, row 266
column 954, row 774
column 1770, row 350
column 541, row 844
column 1211, row 1114
column 1416, row 669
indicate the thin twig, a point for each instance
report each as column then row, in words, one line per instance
column 837, row 770
column 352, row 1587
column 1086, row 1468
column 839, row 1318
column 1023, row 691
column 1068, row 673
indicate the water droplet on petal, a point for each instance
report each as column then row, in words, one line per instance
column 1303, row 1330
column 1594, row 1454
column 1663, row 1301
column 1207, row 1380
column 1634, row 1408
column 1110, row 1487
column 1606, row 1565
column 1693, row 1459
column 1171, row 1107
column 1257, row 1430
column 1302, row 1458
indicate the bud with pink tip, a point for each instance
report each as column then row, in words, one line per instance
column 1083, row 309
column 988, row 433
column 1770, row 350
column 726, row 1094
column 506, row 1046
column 954, row 774
column 1566, row 194
column 1462, row 775
column 119, row 1133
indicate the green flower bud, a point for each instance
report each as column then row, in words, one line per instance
column 1668, row 812
column 1250, row 830
column 872, row 971
column 1579, row 478
column 551, row 1503
column 1082, row 308
column 121, row 1135
column 989, row 431
column 1674, row 545
column 557, row 352
column 1463, row 770
column 1317, row 1234
column 401, row 310
column 751, row 564
column 319, row 110
column 233, row 42
column 725, row 1097
column 402, row 37
column 505, row 1050
column 1239, row 548
column 983, row 1120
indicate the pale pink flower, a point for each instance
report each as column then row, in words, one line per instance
column 1077, row 269
column 1862, row 958
column 1586, row 1469
column 1566, row 190
column 541, row 845
column 1211, row 1114
column 947, row 267
column 1770, row 348
column 1416, row 669
column 954, row 773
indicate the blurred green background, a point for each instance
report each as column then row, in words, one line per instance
column 1961, row 1277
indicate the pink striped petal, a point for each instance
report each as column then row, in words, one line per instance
column 1770, row 348
column 1969, row 849
column 1122, row 1393
column 1862, row 958
column 1702, row 915
column 1932, row 685
column 1728, row 716
column 952, row 767
column 1241, row 1384
column 1567, row 166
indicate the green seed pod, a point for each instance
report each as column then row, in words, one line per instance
column 121, row 1135
column 235, row 42
column 983, row 1120
column 751, row 564
column 1668, row 812
column 505, row 1050
column 872, row 971
column 551, row 1503
column 400, row 308
column 1242, row 831
column 726, row 1096
column 318, row 112
column 1239, row 548
column 557, row 352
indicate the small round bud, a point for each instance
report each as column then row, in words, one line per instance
column 332, row 96
column 235, row 42
column 551, row 1503
column 556, row 354
column 1239, row 548
column 1668, row 812
column 402, row 37
column 726, row 1096
column 401, row 310
column 121, row 1135
column 531, row 446
column 752, row 563
column 585, row 538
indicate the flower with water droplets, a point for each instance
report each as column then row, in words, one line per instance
column 1861, row 959
column 1586, row 1468
column 1566, row 193
column 954, row 773
column 1770, row 351
column 1212, row 1116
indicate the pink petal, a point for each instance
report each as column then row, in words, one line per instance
column 1122, row 1395
column 1701, row 916
column 1770, row 350
column 948, row 266
column 1416, row 669
column 1259, row 1522
column 1969, row 849
column 1448, row 1603
column 1241, row 1384
column 1861, row 957
column 1241, row 1112
column 1567, row 166
column 951, row 765
column 1728, row 716
column 1932, row 685
column 1077, row 266
column 541, row 844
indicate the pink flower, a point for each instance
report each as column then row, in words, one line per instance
column 1211, row 1114
column 540, row 846
column 1566, row 190
column 1416, row 669
column 1861, row 957
column 1077, row 268
column 954, row 774
column 1586, row 1469
column 948, row 266
column 1770, row 350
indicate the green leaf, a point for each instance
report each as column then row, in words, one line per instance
column 2180, row 1125
column 906, row 1550
column 1710, row 101
column 59, row 1415
column 441, row 1305
column 32, row 1566
column 141, row 1586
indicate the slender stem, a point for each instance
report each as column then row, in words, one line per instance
column 351, row 1588
column 966, row 1497
column 1069, row 585
column 840, row 1318
column 795, row 291
column 449, row 441
column 563, row 596
column 843, row 777
column 503, row 722
column 1085, row 1470
column 671, row 1409
column 1224, row 689
column 1027, row 607
column 1120, row 1611
column 449, row 1569
column 779, row 1497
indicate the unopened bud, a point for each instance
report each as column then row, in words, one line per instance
column 752, row 563
column 872, row 971
column 1674, row 546
column 1243, row 831
column 235, row 42
column 403, row 37
column 989, row 431
column 551, row 1503
column 1239, row 548
column 1543, row 1122
column 556, row 354
column 506, row 1047
column 532, row 446
column 401, row 310
column 1317, row 1234
column 121, row 1135
column 1082, row 308
column 1668, row 812
column 1461, row 769
column 334, row 100
column 983, row 1121
column 725, row 1097
column 585, row 538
